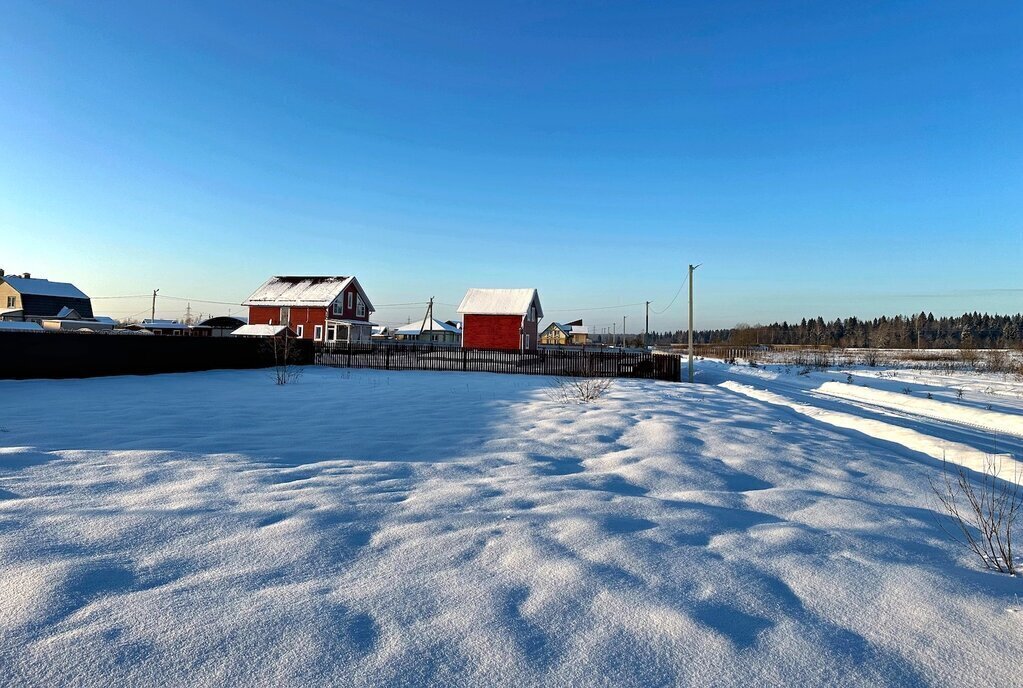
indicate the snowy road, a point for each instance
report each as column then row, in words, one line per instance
column 806, row 391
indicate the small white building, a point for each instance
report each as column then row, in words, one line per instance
column 429, row 332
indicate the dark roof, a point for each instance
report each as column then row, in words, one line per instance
column 49, row 306
column 225, row 321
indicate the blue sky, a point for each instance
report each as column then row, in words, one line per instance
column 832, row 158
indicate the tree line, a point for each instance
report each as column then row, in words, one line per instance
column 924, row 331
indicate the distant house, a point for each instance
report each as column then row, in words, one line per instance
column 381, row 333
column 324, row 309
column 503, row 319
column 560, row 334
column 69, row 320
column 429, row 332
column 223, row 325
column 26, row 298
column 171, row 328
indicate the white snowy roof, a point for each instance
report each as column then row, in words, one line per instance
column 78, row 321
column 259, row 330
column 424, row 326
column 105, row 319
column 287, row 290
column 500, row 302
column 22, row 326
column 68, row 313
column 579, row 329
column 43, row 287
column 158, row 324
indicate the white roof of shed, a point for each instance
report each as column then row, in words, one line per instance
column 259, row 330
column 43, row 287
column 22, row 326
column 288, row 290
column 579, row 329
column 500, row 302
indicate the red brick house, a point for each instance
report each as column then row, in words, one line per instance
column 325, row 309
column 503, row 319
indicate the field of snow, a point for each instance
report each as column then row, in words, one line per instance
column 401, row 528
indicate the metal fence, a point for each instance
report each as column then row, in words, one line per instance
column 647, row 365
column 79, row 354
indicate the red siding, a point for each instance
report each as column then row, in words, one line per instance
column 494, row 332
column 308, row 318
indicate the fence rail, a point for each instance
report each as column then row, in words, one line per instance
column 653, row 366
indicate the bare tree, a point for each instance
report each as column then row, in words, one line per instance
column 983, row 511
column 286, row 358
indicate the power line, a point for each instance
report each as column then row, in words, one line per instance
column 231, row 303
column 185, row 298
column 126, row 296
column 659, row 312
column 596, row 308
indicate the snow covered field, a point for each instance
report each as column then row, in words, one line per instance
column 383, row 528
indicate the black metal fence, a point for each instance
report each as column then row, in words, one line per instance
column 71, row 354
column 397, row 356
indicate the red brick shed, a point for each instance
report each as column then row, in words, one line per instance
column 503, row 319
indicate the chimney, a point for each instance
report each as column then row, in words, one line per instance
column 2, row 273
column 27, row 275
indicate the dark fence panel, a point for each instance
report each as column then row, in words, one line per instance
column 64, row 355
column 392, row 356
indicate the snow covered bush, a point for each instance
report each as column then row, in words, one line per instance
column 983, row 512
column 578, row 390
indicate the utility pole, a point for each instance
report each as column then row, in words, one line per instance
column 646, row 326
column 692, row 269
column 153, row 316
column 623, row 330
column 429, row 317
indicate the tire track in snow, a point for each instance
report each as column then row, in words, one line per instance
column 934, row 447
column 994, row 421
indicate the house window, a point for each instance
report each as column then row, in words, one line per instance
column 331, row 333
column 318, row 332
column 12, row 301
column 299, row 331
column 532, row 313
column 360, row 311
column 337, row 308
column 285, row 315
column 350, row 295
column 525, row 341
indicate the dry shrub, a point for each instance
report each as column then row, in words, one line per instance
column 983, row 511
column 578, row 390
